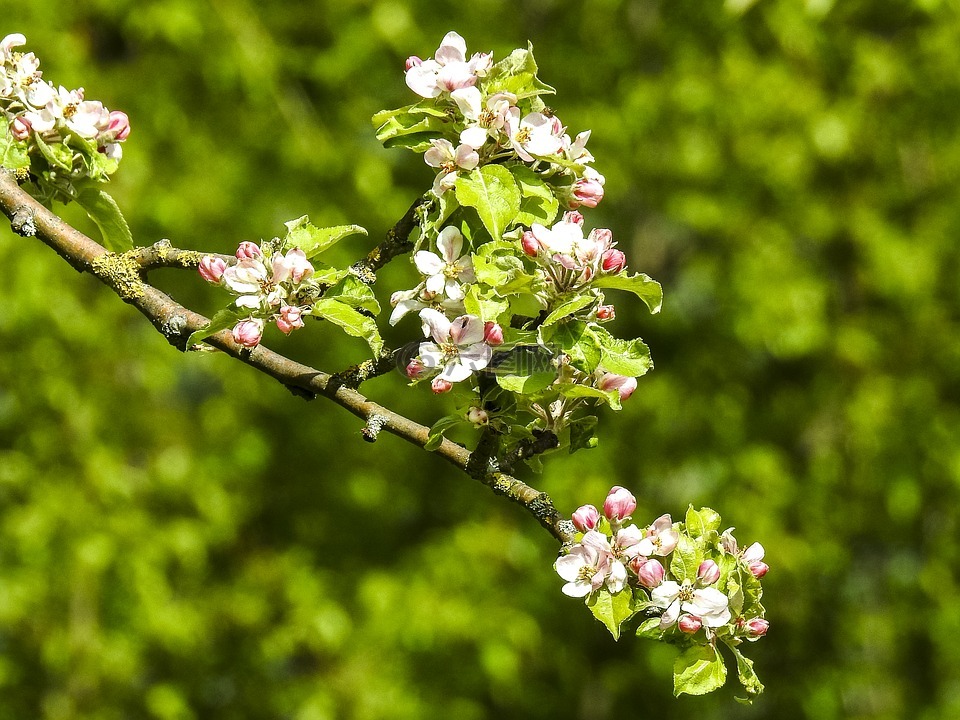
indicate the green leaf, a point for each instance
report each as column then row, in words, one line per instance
column 351, row 291
column 746, row 674
column 702, row 521
column 313, row 240
column 611, row 609
column 13, row 152
column 526, row 384
column 650, row 629
column 350, row 321
column 568, row 307
column 105, row 212
column 484, row 304
column 440, row 428
column 538, row 202
column 58, row 155
column 623, row 357
column 517, row 73
column 226, row 318
column 493, row 193
column 576, row 340
column 686, row 559
column 698, row 670
column 411, row 126
column 583, row 433
column 640, row 285
column 611, row 397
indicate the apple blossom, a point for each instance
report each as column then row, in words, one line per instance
column 529, row 243
column 450, row 161
column 588, row 567
column 708, row 604
column 458, row 346
column 446, row 271
column 619, row 504
column 585, row 518
column 248, row 332
column 708, row 572
column 440, row 386
column 478, row 416
column 119, row 125
column 588, row 190
column 20, row 128
column 482, row 123
column 613, row 261
column 661, row 537
column 448, row 70
column 293, row 266
column 289, row 319
column 416, row 370
column 650, row 572
column 623, row 384
column 755, row 627
column 753, row 559
column 247, row 249
column 606, row 313
column 212, row 268
column 689, row 624
column 533, row 135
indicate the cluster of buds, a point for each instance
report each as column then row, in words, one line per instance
column 33, row 107
column 568, row 259
column 274, row 287
column 491, row 126
column 617, row 556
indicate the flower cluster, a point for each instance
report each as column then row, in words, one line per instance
column 271, row 287
column 57, row 123
column 494, row 120
column 693, row 584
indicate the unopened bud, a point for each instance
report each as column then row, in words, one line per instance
column 689, row 624
column 650, row 573
column 620, row 503
column 708, row 572
column 415, row 369
column 587, row 192
column 758, row 569
column 248, row 249
column 585, row 518
column 613, row 260
column 290, row 319
column 492, row 334
column 248, row 332
column 478, row 416
column 439, row 385
column 20, row 128
column 606, row 312
column 211, row 268
column 573, row 217
column 413, row 61
column 119, row 126
column 621, row 383
column 529, row 243
column 756, row 627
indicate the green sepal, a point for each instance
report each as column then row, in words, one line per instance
column 355, row 293
column 302, row 234
column 493, row 193
column 612, row 609
column 640, row 285
column 350, row 320
column 105, row 213
column 698, row 670
column 223, row 319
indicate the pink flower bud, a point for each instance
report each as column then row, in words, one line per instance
column 573, row 217
column 118, row 127
column 756, row 627
column 211, row 268
column 602, row 238
column 689, row 624
column 529, row 243
column 20, row 128
column 650, row 573
column 753, row 553
column 478, row 416
column 587, row 192
column 758, row 569
column 708, row 572
column 625, row 385
column 416, row 369
column 620, row 503
column 606, row 312
column 248, row 332
column 248, row 249
column 613, row 260
column 492, row 334
column 439, row 385
column 413, row 61
column 585, row 518
column 290, row 319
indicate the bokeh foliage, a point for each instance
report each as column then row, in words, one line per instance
column 181, row 538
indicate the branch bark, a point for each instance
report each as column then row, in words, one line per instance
column 126, row 275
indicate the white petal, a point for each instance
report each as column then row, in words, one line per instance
column 456, row 371
column 568, row 567
column 402, row 308
column 670, row 616
column 453, row 290
column 428, row 263
column 435, row 324
column 474, row 136
column 453, row 48
column 422, row 79
column 665, row 593
column 435, row 283
column 469, row 101
column 617, row 578
column 467, row 330
column 450, row 244
column 476, row 357
column 430, row 355
column 467, row 157
column 577, row 589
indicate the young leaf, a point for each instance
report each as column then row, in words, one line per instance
column 576, row 340
column 568, row 307
column 350, row 320
column 493, row 193
column 517, row 73
column 640, row 285
column 301, row 233
column 356, row 294
column 611, row 397
column 440, row 428
column 103, row 210
column 487, row 306
column 623, row 357
column 745, row 672
column 13, row 153
column 410, row 126
column 538, row 202
column 686, row 559
column 702, row 521
column 57, row 154
column 650, row 629
column 612, row 609
column 226, row 318
column 698, row 670
column 526, row 384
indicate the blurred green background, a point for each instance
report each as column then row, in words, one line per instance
column 182, row 538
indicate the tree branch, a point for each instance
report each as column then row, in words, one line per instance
column 125, row 275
